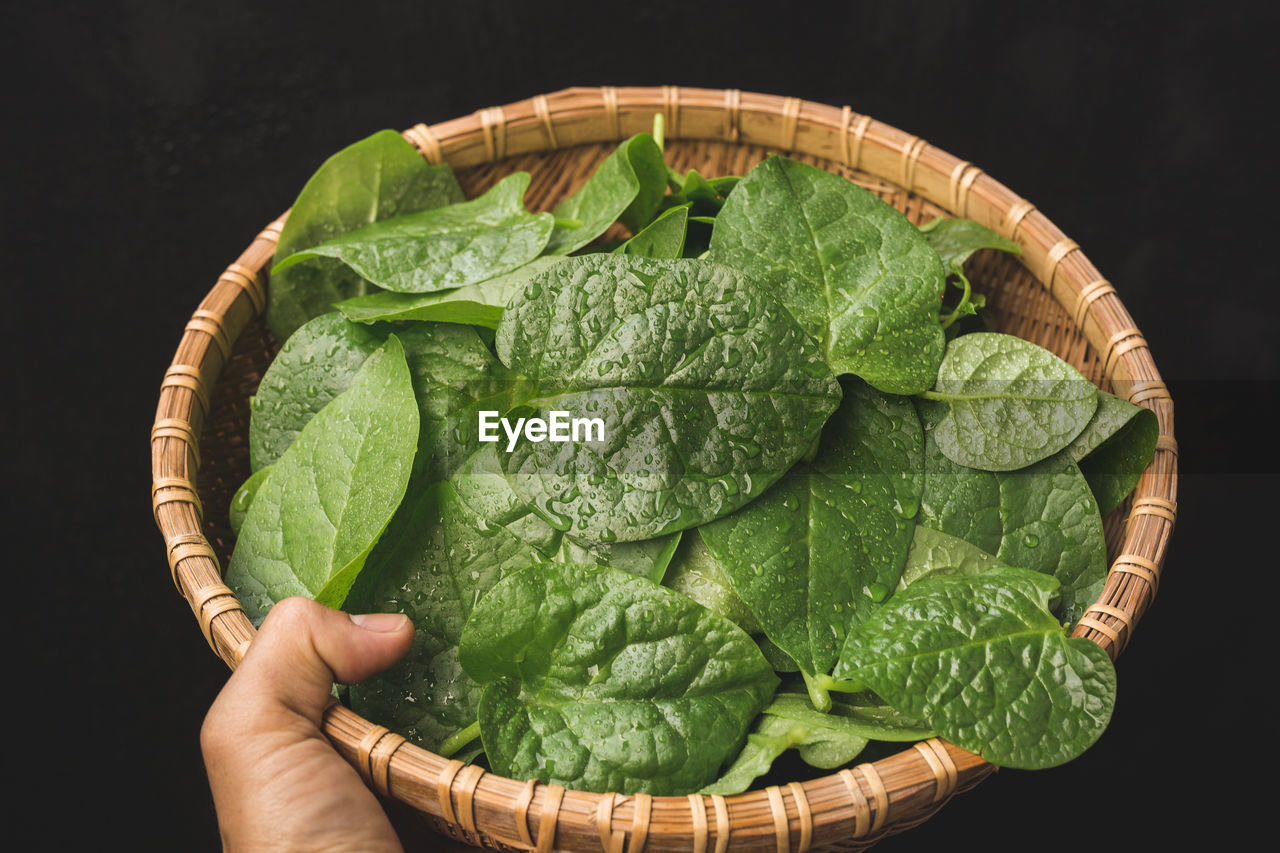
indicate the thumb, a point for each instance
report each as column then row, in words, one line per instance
column 303, row 647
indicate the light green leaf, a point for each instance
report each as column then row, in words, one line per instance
column 707, row 390
column 602, row 681
column 628, row 186
column 442, row 248
column 647, row 559
column 695, row 572
column 450, row 367
column 984, row 662
column 857, row 275
column 331, row 494
column 377, row 178
column 661, row 238
column 243, row 497
column 936, row 553
column 1012, row 403
column 772, row 737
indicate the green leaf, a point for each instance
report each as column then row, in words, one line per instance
column 707, row 389
column 777, row 658
column 647, row 559
column 984, row 662
column 814, row 555
column 936, row 553
column 602, row 681
column 435, row 562
column 1012, row 403
column 661, row 238
column 628, row 186
column 479, row 304
column 331, row 494
column 857, row 275
column 377, row 178
column 955, row 240
column 695, row 572
column 1042, row 518
column 243, row 498
column 442, row 248
column 450, row 367
column 1115, row 448
column 772, row 737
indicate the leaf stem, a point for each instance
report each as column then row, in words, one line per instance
column 960, row 309
column 565, row 222
column 659, row 128
column 458, row 740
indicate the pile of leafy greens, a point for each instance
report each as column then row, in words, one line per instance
column 817, row 516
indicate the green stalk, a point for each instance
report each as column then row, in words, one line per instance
column 459, row 740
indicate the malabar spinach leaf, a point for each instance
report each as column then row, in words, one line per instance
column 661, row 238
column 450, row 367
column 479, row 304
column 772, row 737
column 984, row 662
column 696, row 573
column 377, row 178
column 647, row 559
column 1012, row 403
column 1115, row 448
column 435, row 562
column 445, row 247
column 707, row 389
column 627, row 187
column 936, row 553
column 824, row 546
column 1042, row 518
column 955, row 240
column 602, row 681
column 857, row 275
column 243, row 498
column 331, row 494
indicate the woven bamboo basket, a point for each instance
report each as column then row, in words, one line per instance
column 1051, row 295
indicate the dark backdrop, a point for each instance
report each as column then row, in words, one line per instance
column 148, row 142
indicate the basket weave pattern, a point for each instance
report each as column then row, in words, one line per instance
column 1052, row 296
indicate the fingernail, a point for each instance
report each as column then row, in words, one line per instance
column 383, row 623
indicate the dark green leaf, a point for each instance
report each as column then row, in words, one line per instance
column 464, row 243
column 707, row 389
column 857, row 275
column 434, row 563
column 602, row 681
column 479, row 304
column 1042, row 518
column 1115, row 448
column 820, row 550
column 331, row 494
column 1012, row 403
column 377, row 178
column 984, row 662
column 628, row 186
column 955, row 240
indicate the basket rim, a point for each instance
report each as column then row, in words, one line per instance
column 863, row 802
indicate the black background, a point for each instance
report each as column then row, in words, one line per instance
column 148, row 142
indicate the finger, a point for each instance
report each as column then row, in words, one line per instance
column 303, row 647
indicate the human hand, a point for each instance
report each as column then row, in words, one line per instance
column 277, row 782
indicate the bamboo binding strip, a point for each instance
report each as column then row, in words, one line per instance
column 847, row 810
